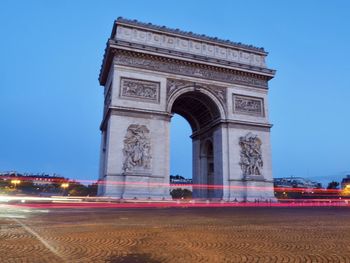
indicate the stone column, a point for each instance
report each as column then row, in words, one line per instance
column 196, row 168
column 220, row 156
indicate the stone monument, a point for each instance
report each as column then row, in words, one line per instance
column 220, row 87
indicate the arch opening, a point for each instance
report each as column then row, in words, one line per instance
column 201, row 112
column 181, row 153
column 197, row 108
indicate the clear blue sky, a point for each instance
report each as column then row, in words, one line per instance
column 51, row 102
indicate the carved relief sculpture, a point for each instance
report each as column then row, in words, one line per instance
column 251, row 157
column 248, row 105
column 188, row 69
column 142, row 89
column 137, row 148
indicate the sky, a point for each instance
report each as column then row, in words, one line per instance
column 51, row 101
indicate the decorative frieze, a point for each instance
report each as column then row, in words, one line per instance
column 248, row 105
column 251, row 157
column 139, row 89
column 174, row 84
column 173, row 66
column 137, row 148
column 178, row 32
column 190, row 45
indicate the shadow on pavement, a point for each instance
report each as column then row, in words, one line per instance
column 132, row 258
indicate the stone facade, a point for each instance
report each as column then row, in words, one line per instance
column 221, row 88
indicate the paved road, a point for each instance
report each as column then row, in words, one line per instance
column 175, row 235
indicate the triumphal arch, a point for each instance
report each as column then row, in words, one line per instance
column 220, row 87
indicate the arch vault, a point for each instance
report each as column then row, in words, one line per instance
column 220, row 87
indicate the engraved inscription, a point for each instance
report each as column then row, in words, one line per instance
column 139, row 89
column 248, row 105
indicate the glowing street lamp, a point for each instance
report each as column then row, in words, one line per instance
column 15, row 182
column 346, row 190
column 64, row 186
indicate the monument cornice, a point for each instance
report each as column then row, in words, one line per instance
column 249, row 125
column 120, row 21
column 162, row 41
column 159, row 51
column 142, row 60
column 232, row 124
column 149, row 114
column 133, row 112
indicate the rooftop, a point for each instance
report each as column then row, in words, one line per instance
column 121, row 20
column 177, row 44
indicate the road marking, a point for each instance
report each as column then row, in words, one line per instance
column 43, row 241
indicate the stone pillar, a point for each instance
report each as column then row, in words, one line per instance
column 196, row 168
column 138, row 158
column 250, row 165
column 219, row 163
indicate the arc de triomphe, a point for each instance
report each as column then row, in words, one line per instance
column 220, row 87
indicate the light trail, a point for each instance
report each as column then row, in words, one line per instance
column 194, row 186
column 23, row 199
column 286, row 197
column 183, row 204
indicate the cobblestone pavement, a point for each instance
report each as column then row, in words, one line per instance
column 175, row 235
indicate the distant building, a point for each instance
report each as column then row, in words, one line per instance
column 35, row 178
column 345, row 183
column 296, row 188
column 296, row 182
column 177, row 181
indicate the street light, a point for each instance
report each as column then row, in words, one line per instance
column 346, row 190
column 64, row 186
column 15, row 182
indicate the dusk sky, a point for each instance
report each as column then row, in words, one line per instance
column 51, row 101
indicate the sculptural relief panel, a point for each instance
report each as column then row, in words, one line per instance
column 248, row 105
column 137, row 148
column 251, row 155
column 139, row 89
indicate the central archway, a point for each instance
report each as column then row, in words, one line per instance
column 200, row 108
column 197, row 108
